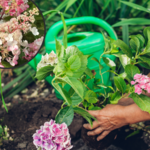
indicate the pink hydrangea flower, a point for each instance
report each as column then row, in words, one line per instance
column 142, row 82
column 52, row 136
column 137, row 76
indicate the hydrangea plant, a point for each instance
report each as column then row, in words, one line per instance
column 69, row 67
column 17, row 20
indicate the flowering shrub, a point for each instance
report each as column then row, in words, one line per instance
column 52, row 136
column 16, row 48
column 69, row 67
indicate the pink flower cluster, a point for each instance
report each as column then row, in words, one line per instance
column 13, row 8
column 142, row 82
column 32, row 49
column 52, row 136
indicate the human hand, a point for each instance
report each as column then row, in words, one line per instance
column 109, row 118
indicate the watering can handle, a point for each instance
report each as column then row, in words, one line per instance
column 55, row 29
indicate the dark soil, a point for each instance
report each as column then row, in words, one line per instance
column 31, row 108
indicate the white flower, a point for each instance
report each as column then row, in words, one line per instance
column 1, row 42
column 34, row 30
column 24, row 43
column 9, row 38
column 48, row 59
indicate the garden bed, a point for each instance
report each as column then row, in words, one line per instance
column 27, row 113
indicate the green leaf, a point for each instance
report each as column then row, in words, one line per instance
column 73, row 50
column 95, row 108
column 95, row 59
column 65, row 31
column 109, row 63
column 115, row 98
column 124, row 59
column 142, row 101
column 59, row 49
column 102, row 85
column 70, row 3
column 133, row 133
column 91, row 96
column 145, row 59
column 65, row 115
column 89, row 72
column 146, row 33
column 136, row 6
column 125, row 34
column 141, row 39
column 132, row 21
column 2, row 98
column 120, row 84
column 44, row 72
column 124, row 47
column 63, row 93
column 131, row 70
column 76, row 99
column 74, row 62
column 75, row 84
column 134, row 42
column 83, row 67
column 84, row 113
column 1, row 130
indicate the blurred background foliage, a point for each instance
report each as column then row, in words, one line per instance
column 126, row 21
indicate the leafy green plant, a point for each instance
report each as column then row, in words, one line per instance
column 71, row 69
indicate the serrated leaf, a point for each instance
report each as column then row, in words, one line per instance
column 131, row 70
column 134, row 42
column 74, row 62
column 120, row 84
column 91, row 96
column 124, row 47
column 83, row 67
column 142, row 101
column 141, row 39
column 65, row 115
column 145, row 59
column 109, row 63
column 76, row 99
column 75, row 84
column 44, row 72
column 73, row 50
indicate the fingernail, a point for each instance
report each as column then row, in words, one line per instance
column 97, row 139
column 88, row 133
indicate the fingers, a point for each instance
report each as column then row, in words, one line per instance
column 93, row 112
column 88, row 126
column 95, row 132
column 105, row 133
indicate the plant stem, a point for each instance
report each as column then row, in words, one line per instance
column 101, row 72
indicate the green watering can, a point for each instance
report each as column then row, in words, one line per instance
column 87, row 42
